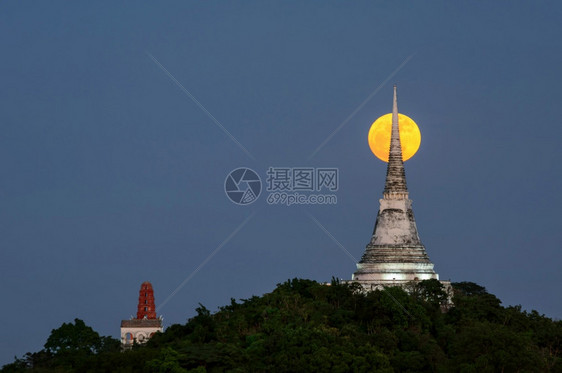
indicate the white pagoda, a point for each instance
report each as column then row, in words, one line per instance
column 395, row 255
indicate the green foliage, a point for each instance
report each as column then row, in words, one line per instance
column 70, row 348
column 167, row 362
column 430, row 291
column 474, row 302
column 304, row 326
column 73, row 338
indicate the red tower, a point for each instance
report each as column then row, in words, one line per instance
column 146, row 308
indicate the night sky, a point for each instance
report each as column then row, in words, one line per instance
column 112, row 174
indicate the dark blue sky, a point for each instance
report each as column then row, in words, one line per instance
column 112, row 175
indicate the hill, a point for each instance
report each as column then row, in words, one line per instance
column 304, row 326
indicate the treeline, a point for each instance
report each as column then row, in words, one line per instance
column 304, row 326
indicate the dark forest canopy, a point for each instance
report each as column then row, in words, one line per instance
column 305, row 326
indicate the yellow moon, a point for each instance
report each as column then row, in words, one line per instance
column 379, row 136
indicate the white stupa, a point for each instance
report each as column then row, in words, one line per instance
column 395, row 255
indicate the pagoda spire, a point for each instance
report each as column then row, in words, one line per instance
column 395, row 254
column 146, row 308
column 395, row 185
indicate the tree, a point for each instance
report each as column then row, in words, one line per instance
column 469, row 288
column 167, row 362
column 472, row 301
column 77, row 337
column 431, row 291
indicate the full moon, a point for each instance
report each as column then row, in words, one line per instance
column 379, row 136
